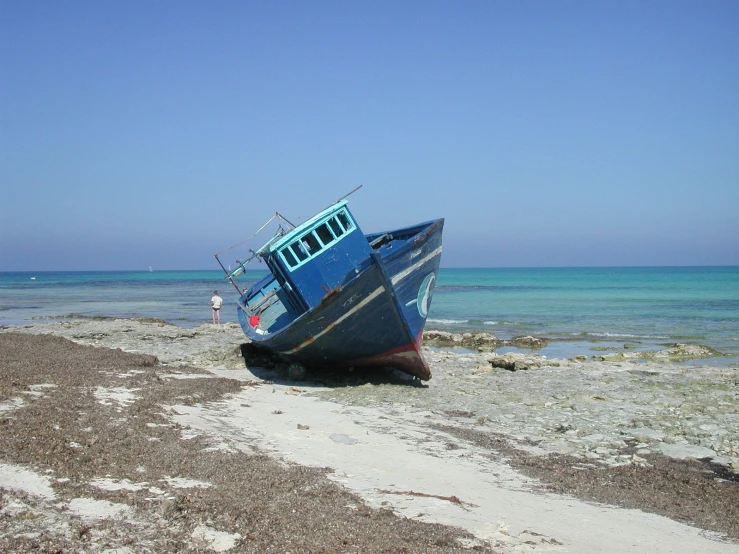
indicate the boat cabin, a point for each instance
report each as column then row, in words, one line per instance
column 305, row 264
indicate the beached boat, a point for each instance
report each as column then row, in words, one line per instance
column 335, row 297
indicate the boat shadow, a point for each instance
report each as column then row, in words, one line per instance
column 268, row 366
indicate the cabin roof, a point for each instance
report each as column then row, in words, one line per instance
column 274, row 245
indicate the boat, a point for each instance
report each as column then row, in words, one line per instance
column 334, row 297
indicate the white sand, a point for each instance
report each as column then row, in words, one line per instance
column 372, row 451
column 22, row 479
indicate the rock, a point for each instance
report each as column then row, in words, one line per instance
column 644, row 434
column 468, row 340
column 482, row 368
column 442, row 338
column 514, row 362
column 686, row 451
column 731, row 463
column 480, row 340
column 529, row 342
column 680, row 351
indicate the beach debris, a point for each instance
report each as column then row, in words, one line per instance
column 459, row 413
column 453, row 499
column 303, row 427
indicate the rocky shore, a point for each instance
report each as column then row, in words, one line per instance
column 646, row 434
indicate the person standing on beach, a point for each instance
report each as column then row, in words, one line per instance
column 215, row 307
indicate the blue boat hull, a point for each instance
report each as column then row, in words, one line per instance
column 375, row 318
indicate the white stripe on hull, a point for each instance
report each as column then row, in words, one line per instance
column 374, row 294
column 407, row 271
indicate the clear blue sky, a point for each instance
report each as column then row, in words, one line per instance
column 557, row 133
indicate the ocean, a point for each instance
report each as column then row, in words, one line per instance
column 582, row 311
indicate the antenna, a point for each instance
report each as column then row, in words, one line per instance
column 347, row 194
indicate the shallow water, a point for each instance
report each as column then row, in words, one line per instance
column 180, row 297
column 581, row 310
column 643, row 307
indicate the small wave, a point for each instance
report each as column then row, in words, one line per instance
column 505, row 323
column 465, row 288
column 624, row 336
column 493, row 288
column 447, row 321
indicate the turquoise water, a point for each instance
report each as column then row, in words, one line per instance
column 180, row 297
column 579, row 308
column 642, row 306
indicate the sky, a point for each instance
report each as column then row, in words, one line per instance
column 546, row 133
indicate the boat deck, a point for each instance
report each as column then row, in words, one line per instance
column 270, row 305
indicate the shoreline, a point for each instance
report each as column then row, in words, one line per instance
column 585, row 346
column 508, row 443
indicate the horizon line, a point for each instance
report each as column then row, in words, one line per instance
column 149, row 270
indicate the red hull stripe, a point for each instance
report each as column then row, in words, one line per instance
column 408, row 357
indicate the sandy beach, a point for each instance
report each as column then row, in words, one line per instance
column 140, row 436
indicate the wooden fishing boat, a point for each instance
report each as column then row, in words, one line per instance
column 336, row 297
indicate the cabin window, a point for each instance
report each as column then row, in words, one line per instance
column 335, row 227
column 289, row 257
column 324, row 234
column 311, row 243
column 344, row 219
column 299, row 251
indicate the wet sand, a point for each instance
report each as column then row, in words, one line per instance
column 182, row 446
